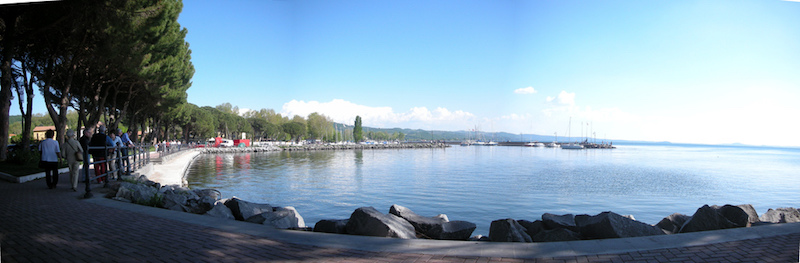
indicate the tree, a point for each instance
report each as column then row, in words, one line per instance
column 319, row 126
column 294, row 129
column 357, row 132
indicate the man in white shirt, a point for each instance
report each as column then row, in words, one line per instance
column 51, row 153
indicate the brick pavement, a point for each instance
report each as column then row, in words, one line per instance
column 41, row 225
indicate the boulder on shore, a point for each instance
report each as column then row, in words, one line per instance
column 437, row 227
column 138, row 193
column 456, row 230
column 751, row 213
column 220, row 210
column 508, row 230
column 552, row 221
column 367, row 221
column 331, row 226
column 715, row 217
column 613, row 225
column 532, row 228
column 242, row 209
column 672, row 224
column 781, row 215
column 281, row 218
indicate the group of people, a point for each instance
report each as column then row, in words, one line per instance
column 166, row 146
column 73, row 149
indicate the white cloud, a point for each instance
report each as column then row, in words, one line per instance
column 345, row 112
column 566, row 98
column 528, row 90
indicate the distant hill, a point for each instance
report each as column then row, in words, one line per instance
column 419, row 134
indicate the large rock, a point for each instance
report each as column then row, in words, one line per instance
column 437, row 227
column 455, row 230
column 367, row 221
column 555, row 235
column 331, row 226
column 735, row 214
column 211, row 193
column 613, row 225
column 138, row 193
column 172, row 199
column 715, row 217
column 242, row 209
column 220, row 210
column 424, row 226
column 781, row 215
column 508, row 230
column 532, row 228
column 672, row 224
column 552, row 221
column 281, row 218
column 752, row 215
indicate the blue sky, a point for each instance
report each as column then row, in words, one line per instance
column 680, row 71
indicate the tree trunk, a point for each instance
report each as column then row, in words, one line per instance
column 27, row 113
column 9, row 43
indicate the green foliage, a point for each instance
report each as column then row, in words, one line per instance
column 16, row 139
column 319, row 126
column 24, row 157
column 357, row 130
column 156, row 200
column 294, row 129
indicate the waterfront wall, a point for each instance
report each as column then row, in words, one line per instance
column 324, row 147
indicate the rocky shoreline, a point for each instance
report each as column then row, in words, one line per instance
column 401, row 222
column 323, row 147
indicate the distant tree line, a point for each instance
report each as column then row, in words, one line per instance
column 106, row 60
column 195, row 123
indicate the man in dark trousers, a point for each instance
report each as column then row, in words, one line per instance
column 100, row 139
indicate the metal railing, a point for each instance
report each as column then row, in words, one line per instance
column 164, row 150
column 115, row 161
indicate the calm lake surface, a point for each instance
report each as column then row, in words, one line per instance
column 482, row 184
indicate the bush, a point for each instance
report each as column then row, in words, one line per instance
column 24, row 157
column 16, row 139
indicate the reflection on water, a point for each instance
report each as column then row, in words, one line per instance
column 481, row 184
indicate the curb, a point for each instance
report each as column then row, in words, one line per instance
column 27, row 178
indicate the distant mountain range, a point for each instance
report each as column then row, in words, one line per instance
column 420, row 134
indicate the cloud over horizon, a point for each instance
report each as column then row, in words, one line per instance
column 343, row 111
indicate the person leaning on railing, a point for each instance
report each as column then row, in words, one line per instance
column 113, row 165
column 99, row 155
column 126, row 142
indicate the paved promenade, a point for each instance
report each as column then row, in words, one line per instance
column 42, row 225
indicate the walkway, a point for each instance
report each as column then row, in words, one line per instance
column 42, row 225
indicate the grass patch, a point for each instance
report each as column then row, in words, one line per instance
column 19, row 169
column 22, row 163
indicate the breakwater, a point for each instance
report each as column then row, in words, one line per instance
column 324, row 147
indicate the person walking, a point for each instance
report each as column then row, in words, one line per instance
column 51, row 153
column 71, row 150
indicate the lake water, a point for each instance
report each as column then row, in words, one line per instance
column 482, row 184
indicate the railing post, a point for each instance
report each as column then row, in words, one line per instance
column 86, row 164
column 105, row 162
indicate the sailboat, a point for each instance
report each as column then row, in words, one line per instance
column 572, row 145
column 553, row 144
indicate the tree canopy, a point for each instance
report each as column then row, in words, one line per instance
column 107, row 60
